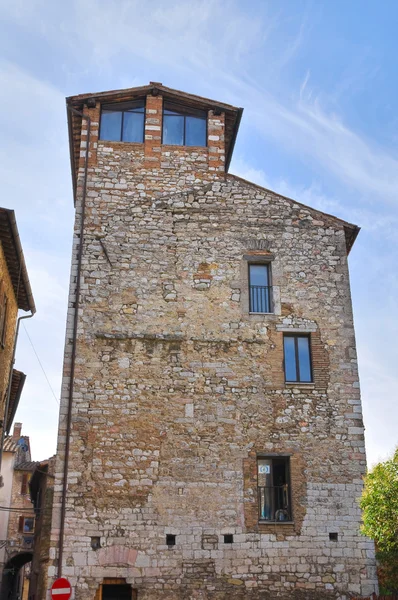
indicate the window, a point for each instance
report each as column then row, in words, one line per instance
column 27, row 542
column 184, row 127
column 273, row 486
column 123, row 122
column 297, row 358
column 24, row 483
column 26, row 524
column 259, row 288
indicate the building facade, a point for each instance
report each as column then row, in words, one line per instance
column 15, row 293
column 17, row 517
column 210, row 437
column 41, row 487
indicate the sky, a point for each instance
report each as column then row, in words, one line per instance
column 318, row 83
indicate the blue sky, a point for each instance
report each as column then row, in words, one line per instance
column 318, row 82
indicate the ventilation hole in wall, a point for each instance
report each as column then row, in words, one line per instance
column 95, row 543
column 228, row 538
column 333, row 537
column 170, row 539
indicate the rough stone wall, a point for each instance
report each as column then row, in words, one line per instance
column 12, row 310
column 38, row 581
column 178, row 388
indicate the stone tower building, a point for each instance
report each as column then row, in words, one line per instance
column 210, row 439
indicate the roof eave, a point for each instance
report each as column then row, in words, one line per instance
column 351, row 231
column 15, row 400
column 71, row 150
column 233, row 139
column 22, row 265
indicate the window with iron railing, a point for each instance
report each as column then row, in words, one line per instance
column 259, row 288
column 274, row 489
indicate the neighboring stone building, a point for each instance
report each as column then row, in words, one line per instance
column 17, row 517
column 210, row 426
column 41, row 493
column 15, row 293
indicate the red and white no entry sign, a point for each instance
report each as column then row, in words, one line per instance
column 61, row 589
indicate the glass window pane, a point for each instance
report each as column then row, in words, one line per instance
column 195, row 132
column 173, row 130
column 133, row 127
column 304, row 359
column 111, row 124
column 28, row 525
column 258, row 274
column 290, row 359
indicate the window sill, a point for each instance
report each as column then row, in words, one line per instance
column 278, row 523
column 121, row 143
column 262, row 313
column 173, row 146
column 300, row 384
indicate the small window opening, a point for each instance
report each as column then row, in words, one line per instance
column 26, row 525
column 334, row 537
column 95, row 543
column 170, row 539
column 228, row 538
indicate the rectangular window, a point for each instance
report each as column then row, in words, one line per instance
column 123, row 122
column 273, row 489
column 26, row 524
column 297, row 358
column 183, row 126
column 259, row 288
column 24, row 484
column 27, row 542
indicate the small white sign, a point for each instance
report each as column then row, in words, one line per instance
column 266, row 469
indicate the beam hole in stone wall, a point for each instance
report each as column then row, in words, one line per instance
column 170, row 539
column 95, row 543
column 228, row 538
column 334, row 537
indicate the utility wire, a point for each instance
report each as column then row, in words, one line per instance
column 42, row 368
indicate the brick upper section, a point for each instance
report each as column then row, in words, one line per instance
column 154, row 92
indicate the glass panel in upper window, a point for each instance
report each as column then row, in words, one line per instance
column 290, row 358
column 304, row 359
column 133, row 126
column 173, row 130
column 111, row 125
column 195, row 131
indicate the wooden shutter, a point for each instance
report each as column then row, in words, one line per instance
column 24, row 484
column 20, row 524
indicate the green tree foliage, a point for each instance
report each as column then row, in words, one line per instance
column 379, row 503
